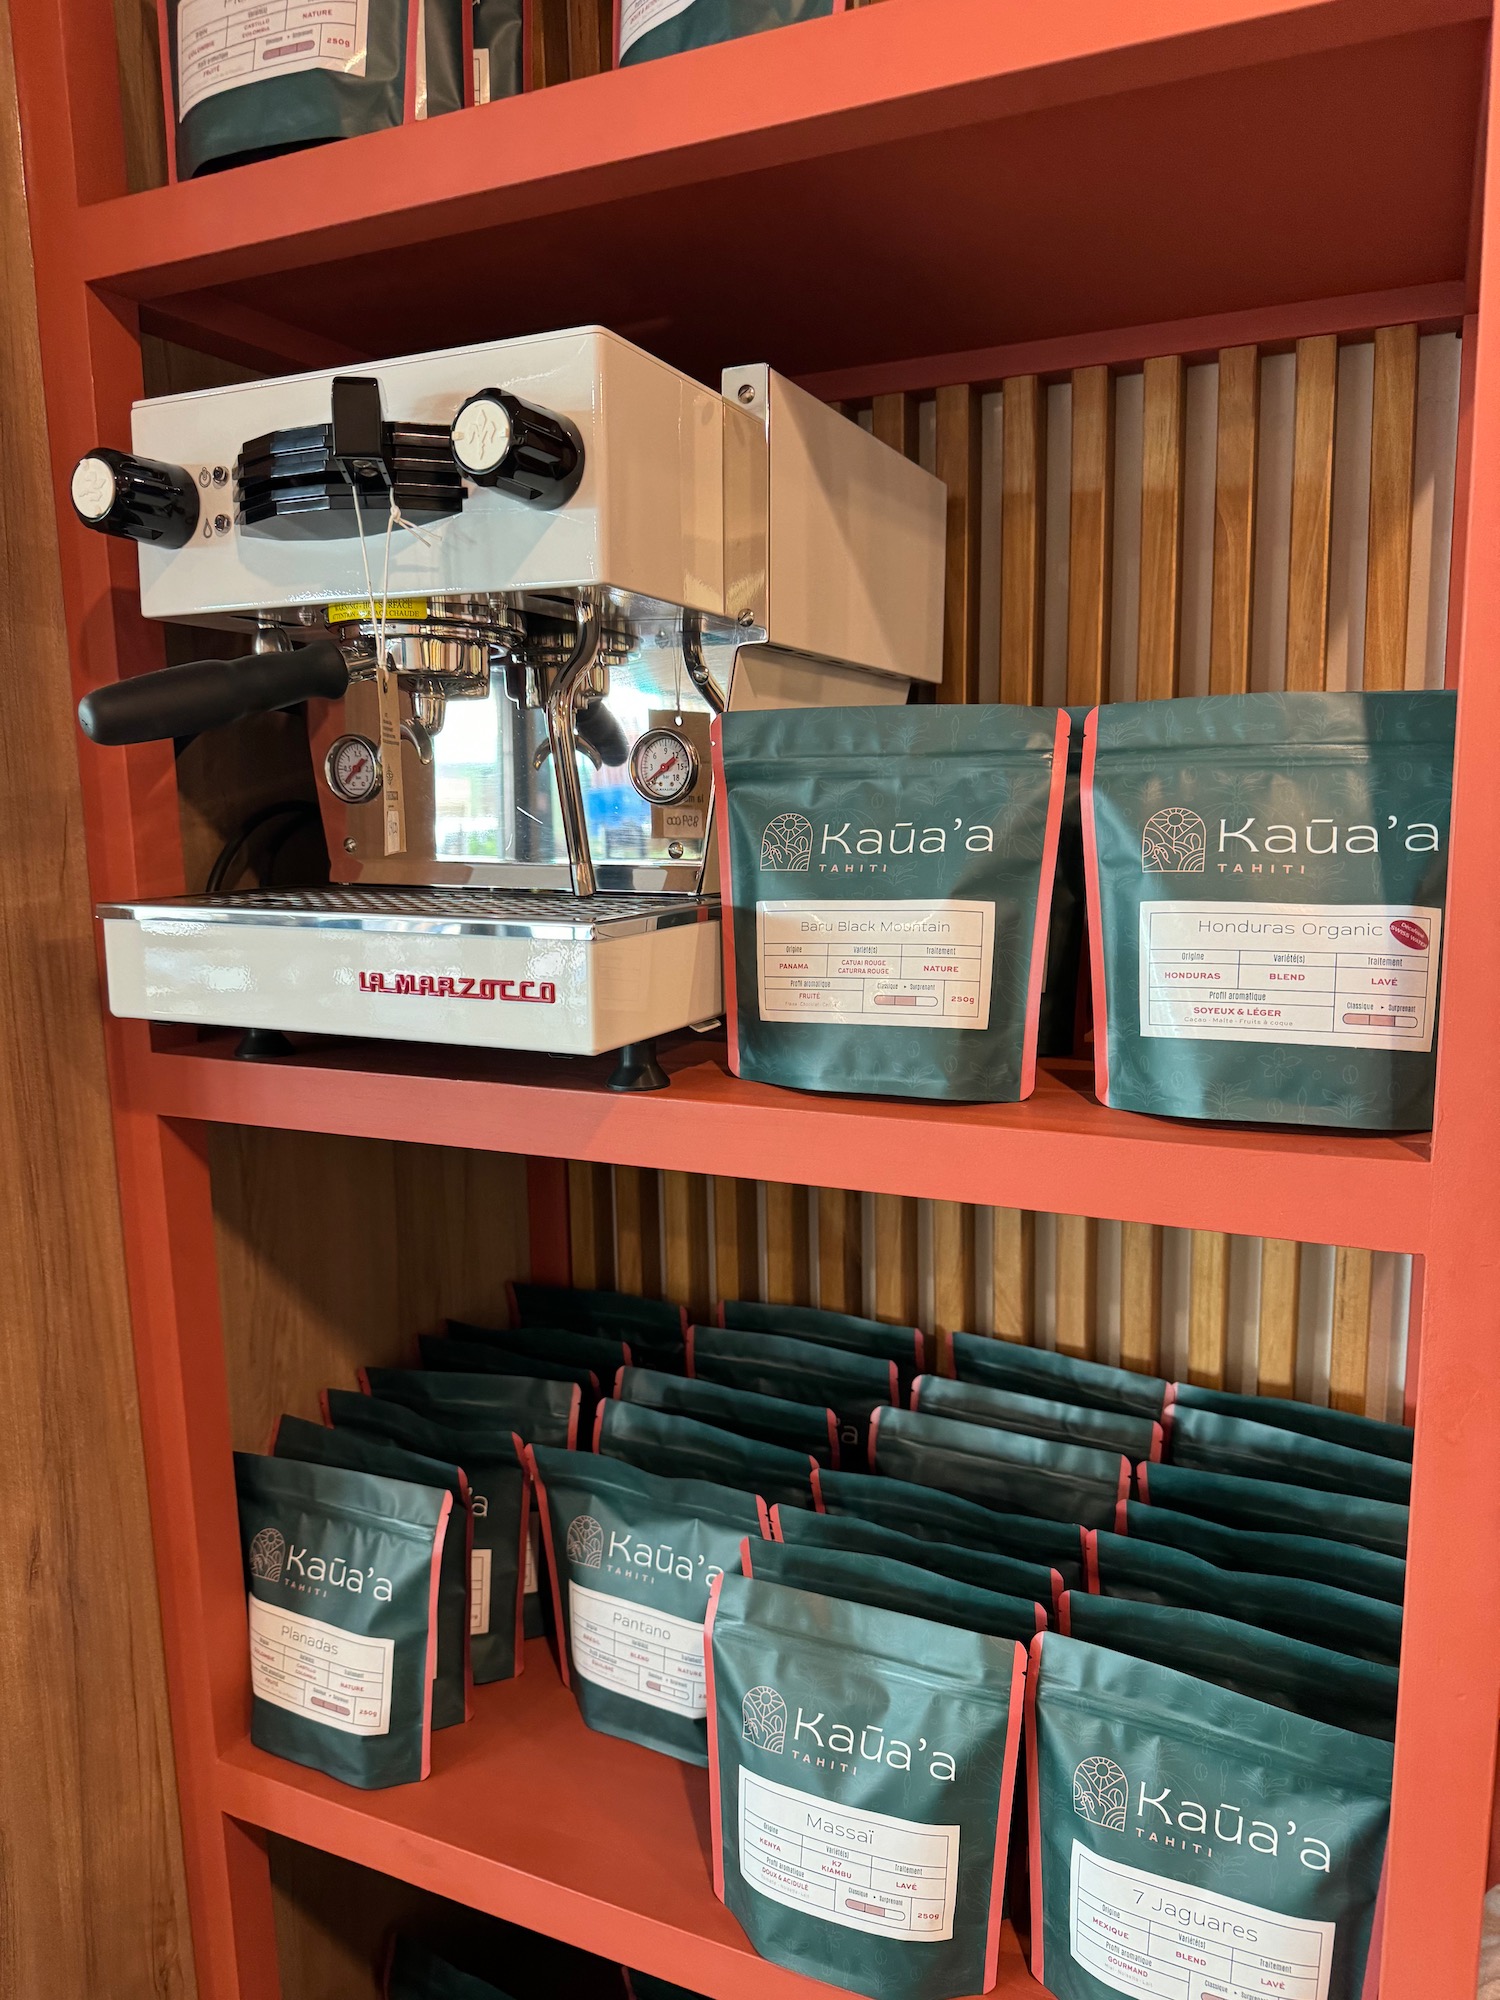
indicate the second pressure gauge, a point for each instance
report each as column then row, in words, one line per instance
column 352, row 768
column 663, row 766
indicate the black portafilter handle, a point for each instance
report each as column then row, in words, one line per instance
column 207, row 694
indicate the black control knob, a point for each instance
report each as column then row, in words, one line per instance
column 532, row 454
column 139, row 499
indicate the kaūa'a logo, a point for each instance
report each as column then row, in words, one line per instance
column 585, row 1542
column 763, row 1719
column 1101, row 1792
column 786, row 845
column 267, row 1554
column 1174, row 841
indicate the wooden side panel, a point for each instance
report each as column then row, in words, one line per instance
column 637, row 1231
column 1013, row 1274
column 897, row 1290
column 841, row 1281
column 684, row 1209
column 332, row 1920
column 1163, row 423
column 1280, row 1291
column 958, row 415
column 788, row 1278
column 1392, row 438
column 1234, row 520
column 591, row 1225
column 462, row 1233
column 736, row 1240
column 1023, row 538
column 1312, row 513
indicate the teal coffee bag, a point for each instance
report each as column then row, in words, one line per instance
column 1276, row 1507
column 1343, row 1564
column 537, row 1409
column 600, row 1353
column 1056, row 1482
column 905, row 1345
column 863, row 1576
column 1186, row 1839
column 1208, row 1442
column 1267, row 876
column 415, row 1972
column 499, row 49
column 770, row 1419
column 1341, row 1620
column 316, row 1444
column 341, row 1570
column 862, row 1770
column 1342, row 1427
column 632, row 1557
column 887, row 876
column 1009, row 1575
column 935, row 1516
column 655, row 1328
column 502, row 1559
column 681, row 1448
column 1034, row 1371
column 645, row 29
column 802, row 1371
column 1037, row 1416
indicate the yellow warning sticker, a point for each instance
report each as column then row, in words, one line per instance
column 404, row 608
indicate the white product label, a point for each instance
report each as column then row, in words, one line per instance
column 639, row 17
column 530, row 1586
column 224, row 43
column 479, row 1591
column 638, row 1652
column 1143, row 1933
column 328, row 1675
column 481, row 76
column 1336, row 975
column 876, row 965
column 867, row 1871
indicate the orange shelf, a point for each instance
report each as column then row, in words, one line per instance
column 1060, row 1151
column 529, row 1815
column 1122, row 162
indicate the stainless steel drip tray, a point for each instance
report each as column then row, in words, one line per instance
column 494, row 913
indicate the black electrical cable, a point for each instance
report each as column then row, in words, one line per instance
column 300, row 812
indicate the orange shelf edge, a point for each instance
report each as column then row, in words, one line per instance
column 530, row 1816
column 1060, row 1151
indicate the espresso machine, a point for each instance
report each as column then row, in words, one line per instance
column 513, row 583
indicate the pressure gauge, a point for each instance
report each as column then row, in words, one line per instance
column 352, row 768
column 663, row 766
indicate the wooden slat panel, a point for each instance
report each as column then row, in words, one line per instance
column 736, row 1239
column 590, row 37
column 684, row 1215
column 897, row 1290
column 893, row 419
column 637, row 1231
column 1163, row 424
column 957, row 465
column 1234, row 521
column 1090, row 534
column 1208, row 1309
column 1349, row 1357
column 547, row 44
column 591, row 1225
column 1013, row 1274
column 1280, row 1290
column 788, row 1279
column 841, row 1274
column 1023, row 537
column 1312, row 513
column 1392, row 439
column 1140, row 1297
column 952, row 1267
column 1077, row 1311
column 464, row 1231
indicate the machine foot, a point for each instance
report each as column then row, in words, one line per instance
column 256, row 1044
column 638, row 1069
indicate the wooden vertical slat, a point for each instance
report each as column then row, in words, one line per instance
column 897, row 1292
column 736, row 1239
column 952, row 1268
column 841, row 1274
column 547, row 44
column 1312, row 513
column 1140, row 1297
column 1234, row 521
column 1349, row 1355
column 788, row 1280
column 591, row 1225
column 637, row 1231
column 1392, row 440
column 1280, row 1291
column 590, row 37
column 1077, row 1308
column 1208, row 1309
column 1163, row 423
column 893, row 420
column 684, row 1215
column 958, row 467
column 1023, row 536
column 1013, row 1274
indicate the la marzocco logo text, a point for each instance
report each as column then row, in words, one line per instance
column 591, row 1546
column 790, row 846
column 765, row 1721
column 276, row 1560
column 438, row 986
column 1102, row 1796
column 1176, row 841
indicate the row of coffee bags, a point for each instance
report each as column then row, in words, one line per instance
column 1265, row 880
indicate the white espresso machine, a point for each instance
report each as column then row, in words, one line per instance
column 513, row 583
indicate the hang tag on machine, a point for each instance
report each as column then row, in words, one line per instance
column 392, row 797
column 685, row 818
